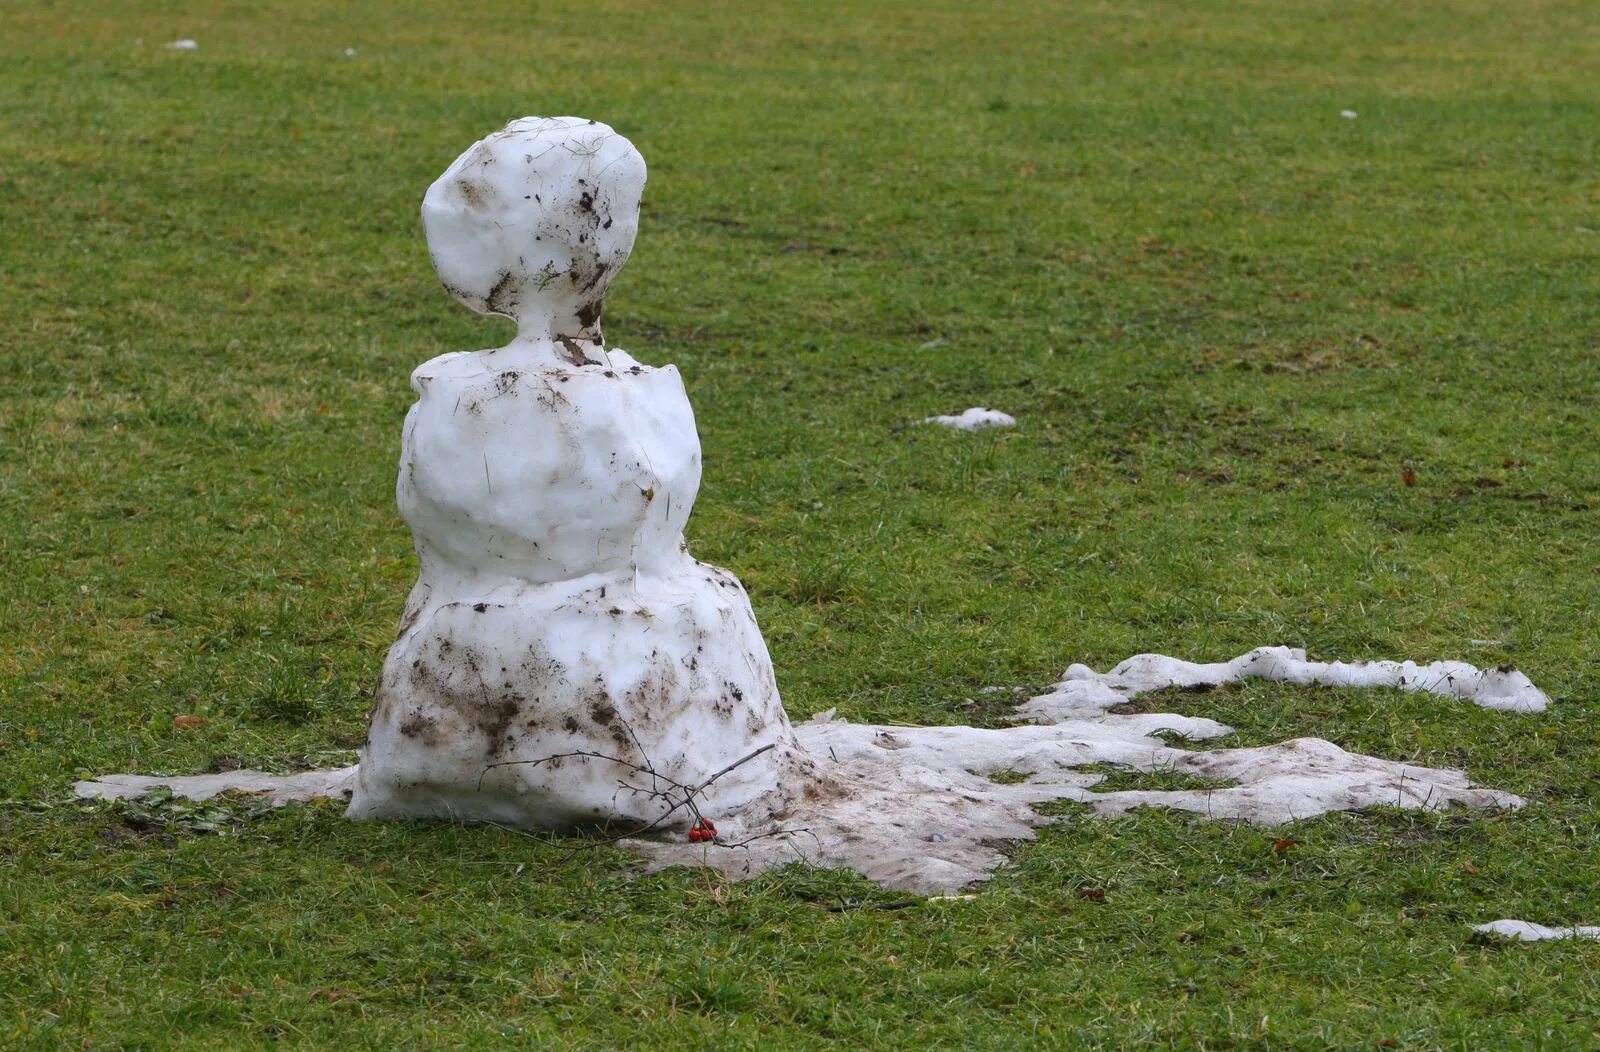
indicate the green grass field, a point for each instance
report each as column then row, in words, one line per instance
column 1229, row 320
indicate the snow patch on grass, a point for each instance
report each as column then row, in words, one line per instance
column 975, row 419
column 319, row 783
column 1527, row 931
column 1503, row 688
column 912, row 807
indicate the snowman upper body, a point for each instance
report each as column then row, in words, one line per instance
column 554, row 457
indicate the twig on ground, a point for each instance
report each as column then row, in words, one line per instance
column 656, row 777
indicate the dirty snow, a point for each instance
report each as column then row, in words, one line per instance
column 320, row 783
column 1526, row 931
column 975, row 419
column 920, row 808
column 916, row 807
column 559, row 630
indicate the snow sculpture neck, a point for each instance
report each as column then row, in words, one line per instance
column 560, row 643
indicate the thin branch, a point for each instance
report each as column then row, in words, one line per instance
column 763, row 836
column 665, row 795
column 735, row 764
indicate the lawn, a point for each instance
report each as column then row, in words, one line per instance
column 1283, row 376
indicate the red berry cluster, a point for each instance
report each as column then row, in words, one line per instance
column 703, row 830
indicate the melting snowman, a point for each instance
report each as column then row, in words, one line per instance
column 562, row 659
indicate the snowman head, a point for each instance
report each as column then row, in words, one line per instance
column 534, row 222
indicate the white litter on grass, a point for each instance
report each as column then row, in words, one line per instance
column 1348, row 115
column 975, row 419
column 349, row 52
column 183, row 45
column 930, row 809
column 1526, row 931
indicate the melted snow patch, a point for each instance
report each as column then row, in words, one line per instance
column 323, row 782
column 975, row 419
column 932, row 809
column 1084, row 689
column 1527, row 931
